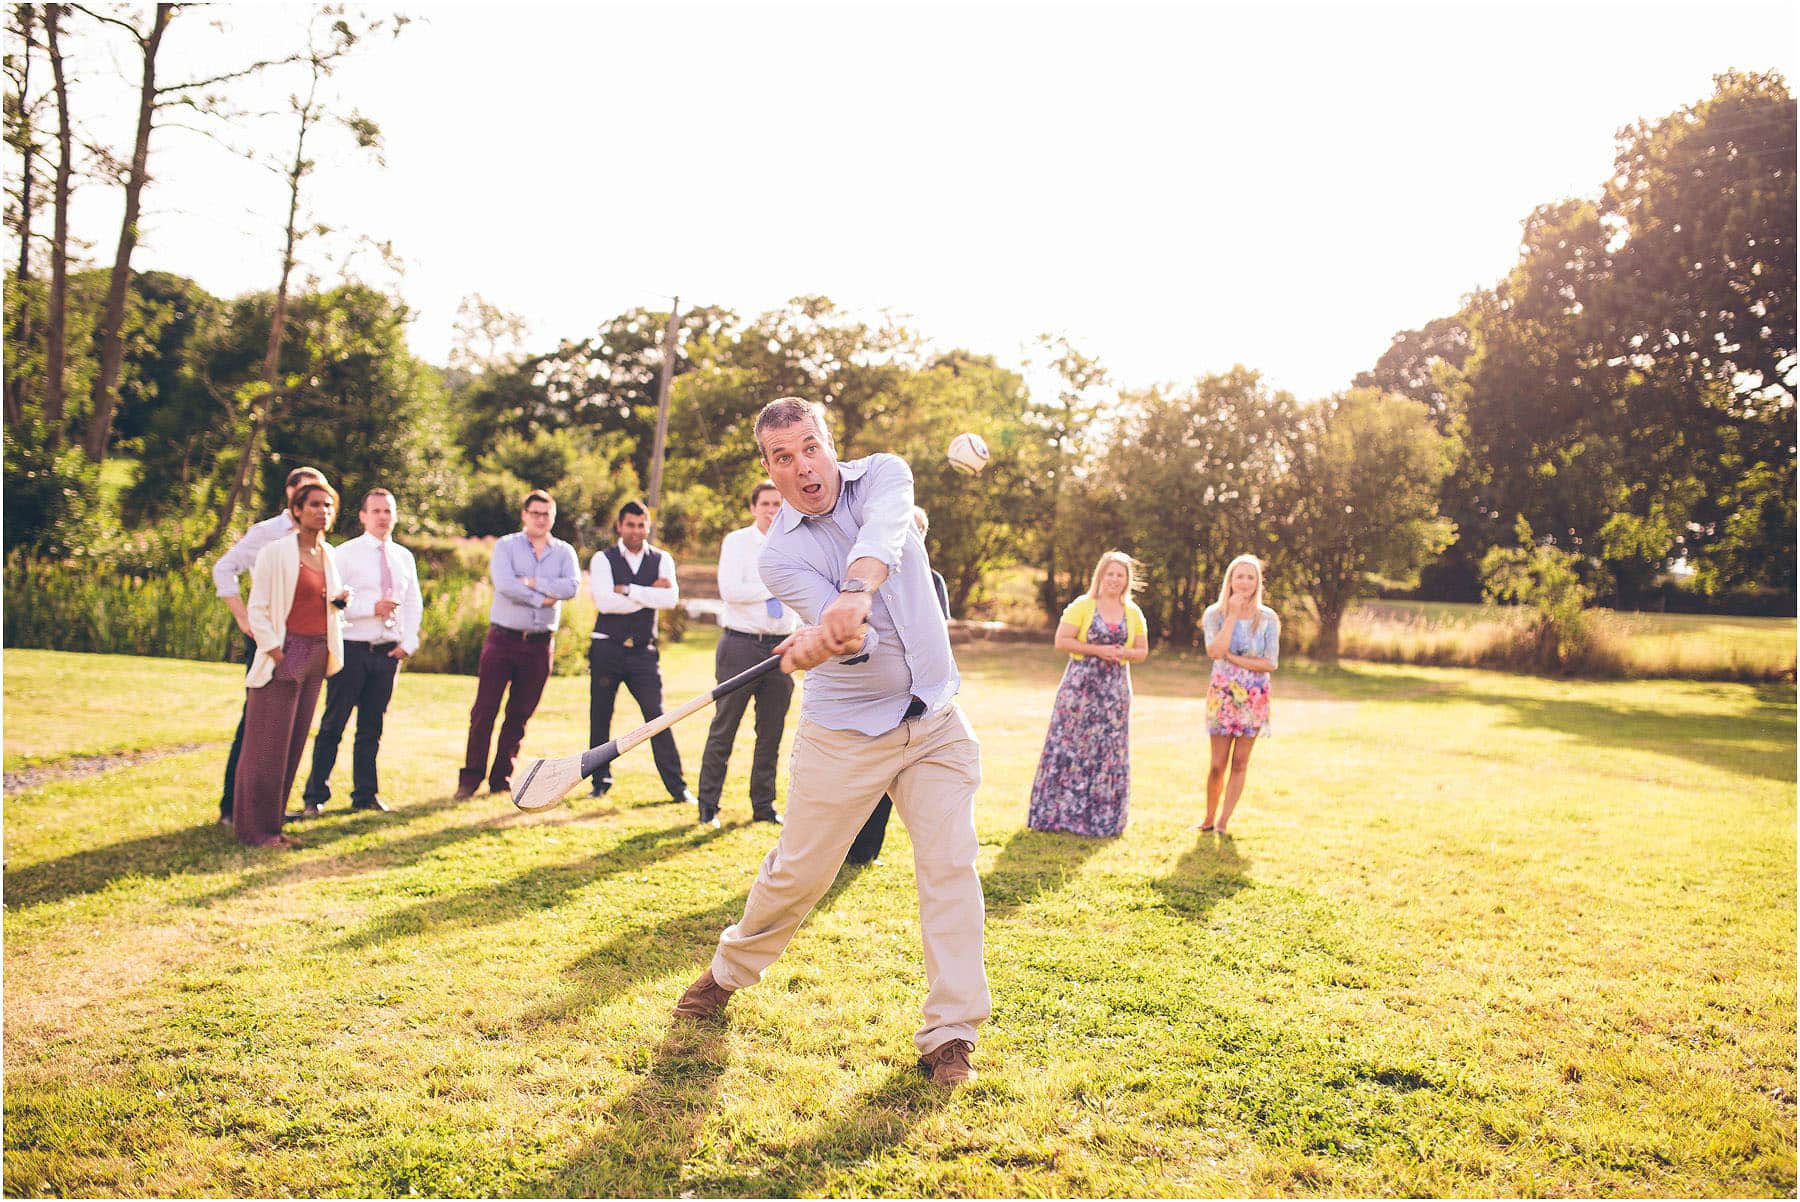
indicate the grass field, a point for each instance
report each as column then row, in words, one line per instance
column 1477, row 934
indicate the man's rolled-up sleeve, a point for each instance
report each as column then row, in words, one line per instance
column 886, row 511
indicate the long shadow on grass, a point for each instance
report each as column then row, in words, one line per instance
column 281, row 868
column 1032, row 864
column 879, row 1118
column 207, row 848
column 537, row 890
column 1207, row 873
column 651, row 1132
column 653, row 949
column 1712, row 740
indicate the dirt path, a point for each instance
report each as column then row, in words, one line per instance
column 79, row 766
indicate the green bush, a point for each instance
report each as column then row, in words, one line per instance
column 1547, row 581
column 73, row 607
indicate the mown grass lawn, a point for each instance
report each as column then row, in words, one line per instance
column 1477, row 934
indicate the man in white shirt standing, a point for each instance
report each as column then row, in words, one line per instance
column 752, row 626
column 234, row 563
column 631, row 581
column 381, row 628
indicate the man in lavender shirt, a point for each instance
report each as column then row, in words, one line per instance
column 878, row 715
column 533, row 573
column 234, row 563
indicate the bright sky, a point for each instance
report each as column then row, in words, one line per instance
column 1177, row 188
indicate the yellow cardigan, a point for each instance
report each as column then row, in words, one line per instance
column 1080, row 615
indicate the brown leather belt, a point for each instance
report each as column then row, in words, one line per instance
column 523, row 636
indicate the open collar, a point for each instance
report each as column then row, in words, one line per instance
column 848, row 469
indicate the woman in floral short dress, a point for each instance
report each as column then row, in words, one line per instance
column 1083, row 784
column 1243, row 636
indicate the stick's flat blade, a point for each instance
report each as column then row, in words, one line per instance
column 546, row 782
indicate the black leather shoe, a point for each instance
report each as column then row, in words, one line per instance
column 775, row 818
column 376, row 804
column 601, row 788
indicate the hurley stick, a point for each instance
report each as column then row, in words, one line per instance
column 546, row 782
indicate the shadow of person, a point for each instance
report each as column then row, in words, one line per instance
column 538, row 889
column 1032, row 864
column 1207, row 873
column 647, row 1136
column 856, row 1132
column 209, row 848
column 651, row 950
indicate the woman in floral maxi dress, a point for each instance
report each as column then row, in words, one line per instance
column 1083, row 784
column 1243, row 636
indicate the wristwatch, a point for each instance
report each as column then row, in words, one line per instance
column 854, row 586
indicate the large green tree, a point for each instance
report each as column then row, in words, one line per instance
column 1360, row 499
column 1188, row 479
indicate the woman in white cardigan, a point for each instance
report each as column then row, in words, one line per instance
column 295, row 596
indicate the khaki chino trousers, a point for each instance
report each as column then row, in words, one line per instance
column 931, row 766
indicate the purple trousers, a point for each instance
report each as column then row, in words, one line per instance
column 277, row 718
column 508, row 659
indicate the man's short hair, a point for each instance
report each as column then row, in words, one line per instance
column 379, row 492
column 305, row 473
column 538, row 494
column 787, row 411
column 631, row 507
column 757, row 492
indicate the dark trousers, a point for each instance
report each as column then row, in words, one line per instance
column 867, row 846
column 639, row 669
column 507, row 662
column 237, row 740
column 364, row 685
column 773, row 693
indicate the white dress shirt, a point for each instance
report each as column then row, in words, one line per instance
column 359, row 563
column 635, row 596
column 242, row 556
column 746, row 597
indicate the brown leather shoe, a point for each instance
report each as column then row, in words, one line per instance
column 948, row 1063
column 705, row 999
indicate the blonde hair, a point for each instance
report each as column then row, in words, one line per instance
column 1257, row 600
column 1118, row 557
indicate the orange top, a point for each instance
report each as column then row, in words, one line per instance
column 308, row 613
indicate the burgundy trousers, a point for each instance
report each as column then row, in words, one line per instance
column 509, row 660
column 277, row 718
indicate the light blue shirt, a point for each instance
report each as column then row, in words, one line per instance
column 1245, row 638
column 907, row 655
column 556, row 572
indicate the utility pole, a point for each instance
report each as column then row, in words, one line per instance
column 662, row 410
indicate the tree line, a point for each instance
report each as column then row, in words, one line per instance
column 1619, row 403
